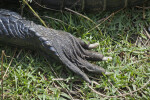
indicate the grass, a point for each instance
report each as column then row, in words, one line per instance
column 122, row 36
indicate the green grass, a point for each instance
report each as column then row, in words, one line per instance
column 32, row 77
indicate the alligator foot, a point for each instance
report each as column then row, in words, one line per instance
column 74, row 53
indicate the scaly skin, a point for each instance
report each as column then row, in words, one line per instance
column 90, row 5
column 60, row 45
column 83, row 5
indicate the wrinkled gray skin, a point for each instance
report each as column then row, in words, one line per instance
column 82, row 5
column 56, row 44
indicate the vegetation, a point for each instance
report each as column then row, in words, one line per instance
column 121, row 34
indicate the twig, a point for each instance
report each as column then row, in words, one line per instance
column 19, row 53
column 2, row 59
column 10, row 63
column 44, row 6
column 142, row 7
column 101, row 23
column 114, row 87
column 146, row 42
column 59, row 21
column 104, row 20
column 95, row 82
column 82, row 16
column 55, row 19
column 123, row 95
column 35, row 13
column 59, row 79
column 147, row 34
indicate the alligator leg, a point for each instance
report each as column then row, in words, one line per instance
column 60, row 45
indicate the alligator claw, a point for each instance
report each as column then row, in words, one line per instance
column 94, row 45
column 107, row 58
